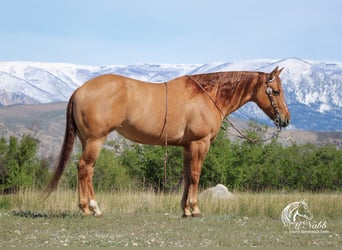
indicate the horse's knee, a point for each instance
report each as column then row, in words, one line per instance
column 83, row 170
column 195, row 177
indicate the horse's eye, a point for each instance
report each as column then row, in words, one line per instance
column 276, row 92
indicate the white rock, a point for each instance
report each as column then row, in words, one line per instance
column 219, row 192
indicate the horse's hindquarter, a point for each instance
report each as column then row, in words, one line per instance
column 95, row 103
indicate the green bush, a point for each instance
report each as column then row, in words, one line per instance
column 237, row 164
column 242, row 165
column 109, row 174
column 19, row 164
column 146, row 165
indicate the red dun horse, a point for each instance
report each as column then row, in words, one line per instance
column 186, row 111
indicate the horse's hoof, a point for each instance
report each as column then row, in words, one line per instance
column 97, row 215
column 85, row 214
column 197, row 215
column 185, row 216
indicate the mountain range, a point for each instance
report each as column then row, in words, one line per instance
column 313, row 90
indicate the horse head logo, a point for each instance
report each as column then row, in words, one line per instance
column 295, row 212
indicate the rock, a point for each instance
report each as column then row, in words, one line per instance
column 219, row 192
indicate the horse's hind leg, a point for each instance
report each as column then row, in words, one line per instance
column 93, row 205
column 91, row 151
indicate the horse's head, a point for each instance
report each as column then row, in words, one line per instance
column 270, row 98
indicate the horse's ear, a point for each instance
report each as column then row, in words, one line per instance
column 279, row 71
column 274, row 73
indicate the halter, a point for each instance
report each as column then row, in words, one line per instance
column 269, row 92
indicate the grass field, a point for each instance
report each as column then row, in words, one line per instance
column 145, row 219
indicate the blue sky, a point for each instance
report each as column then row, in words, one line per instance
column 174, row 31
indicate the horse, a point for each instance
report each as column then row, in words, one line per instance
column 295, row 212
column 186, row 111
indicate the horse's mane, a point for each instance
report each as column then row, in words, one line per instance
column 225, row 82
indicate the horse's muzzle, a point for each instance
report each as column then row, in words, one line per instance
column 284, row 122
column 279, row 122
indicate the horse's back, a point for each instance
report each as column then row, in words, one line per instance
column 106, row 88
column 109, row 102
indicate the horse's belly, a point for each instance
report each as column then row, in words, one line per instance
column 151, row 135
column 143, row 137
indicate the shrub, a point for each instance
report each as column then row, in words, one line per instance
column 19, row 164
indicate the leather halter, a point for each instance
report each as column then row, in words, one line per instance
column 269, row 92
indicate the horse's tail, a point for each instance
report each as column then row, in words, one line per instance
column 68, row 143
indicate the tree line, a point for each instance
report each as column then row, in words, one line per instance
column 240, row 165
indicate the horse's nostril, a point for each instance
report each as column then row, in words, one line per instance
column 286, row 122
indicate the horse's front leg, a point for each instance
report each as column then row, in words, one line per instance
column 194, row 155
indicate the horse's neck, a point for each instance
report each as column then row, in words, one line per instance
column 236, row 91
column 229, row 90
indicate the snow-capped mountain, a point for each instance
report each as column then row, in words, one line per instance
column 313, row 90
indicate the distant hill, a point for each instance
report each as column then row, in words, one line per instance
column 313, row 90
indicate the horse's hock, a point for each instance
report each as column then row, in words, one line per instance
column 219, row 192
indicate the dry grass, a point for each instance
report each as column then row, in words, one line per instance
column 132, row 202
column 136, row 218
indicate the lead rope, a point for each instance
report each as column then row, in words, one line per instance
column 165, row 127
column 243, row 135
